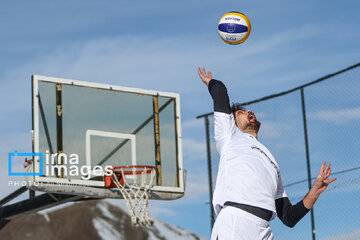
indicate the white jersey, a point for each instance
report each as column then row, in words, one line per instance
column 248, row 173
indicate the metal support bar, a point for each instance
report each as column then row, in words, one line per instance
column 38, row 203
column 307, row 158
column 212, row 218
column 59, row 130
column 157, row 140
column 31, row 194
column 52, row 195
column 176, row 117
column 13, row 195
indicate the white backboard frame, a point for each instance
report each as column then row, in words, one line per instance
column 166, row 190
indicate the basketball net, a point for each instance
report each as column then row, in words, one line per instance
column 135, row 194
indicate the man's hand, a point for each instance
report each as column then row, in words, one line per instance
column 204, row 77
column 321, row 182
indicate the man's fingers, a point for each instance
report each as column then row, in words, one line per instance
column 332, row 180
column 328, row 172
column 203, row 72
column 322, row 167
column 205, row 77
column 327, row 168
column 328, row 181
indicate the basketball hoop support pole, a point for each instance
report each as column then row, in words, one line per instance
column 157, row 140
column 59, row 132
column 212, row 217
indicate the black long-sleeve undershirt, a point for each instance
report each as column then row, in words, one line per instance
column 290, row 214
column 220, row 97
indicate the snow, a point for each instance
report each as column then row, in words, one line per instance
column 159, row 231
column 119, row 203
column 45, row 215
column 103, row 206
column 152, row 236
column 57, row 207
column 167, row 231
column 105, row 230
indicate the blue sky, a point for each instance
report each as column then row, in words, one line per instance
column 158, row 45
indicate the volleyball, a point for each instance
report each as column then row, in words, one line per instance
column 234, row 28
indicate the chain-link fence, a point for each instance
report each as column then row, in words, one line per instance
column 303, row 127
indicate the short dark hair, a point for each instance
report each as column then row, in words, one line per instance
column 237, row 106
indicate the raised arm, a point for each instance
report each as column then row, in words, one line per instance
column 224, row 123
column 217, row 91
column 290, row 214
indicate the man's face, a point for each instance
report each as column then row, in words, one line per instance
column 246, row 121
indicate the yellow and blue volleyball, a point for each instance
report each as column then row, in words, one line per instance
column 234, row 28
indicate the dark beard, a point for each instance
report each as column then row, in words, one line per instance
column 253, row 126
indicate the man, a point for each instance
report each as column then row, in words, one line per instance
column 249, row 191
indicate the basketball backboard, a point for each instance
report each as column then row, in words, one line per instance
column 92, row 126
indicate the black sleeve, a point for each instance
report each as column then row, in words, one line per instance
column 290, row 215
column 220, row 97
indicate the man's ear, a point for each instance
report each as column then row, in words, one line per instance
column 236, row 113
